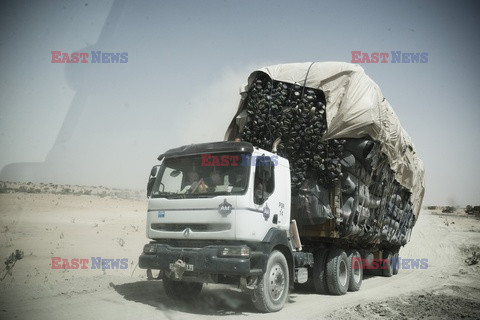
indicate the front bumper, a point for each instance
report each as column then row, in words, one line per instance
column 205, row 260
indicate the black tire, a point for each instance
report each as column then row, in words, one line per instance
column 319, row 271
column 356, row 270
column 338, row 276
column 368, row 266
column 271, row 293
column 386, row 265
column 395, row 265
column 150, row 275
column 180, row 290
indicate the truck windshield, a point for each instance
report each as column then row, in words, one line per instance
column 204, row 175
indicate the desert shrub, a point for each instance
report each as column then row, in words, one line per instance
column 11, row 261
column 473, row 258
column 448, row 209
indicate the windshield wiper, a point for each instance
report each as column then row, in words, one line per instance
column 163, row 194
column 211, row 195
column 177, row 196
column 221, row 193
column 174, row 195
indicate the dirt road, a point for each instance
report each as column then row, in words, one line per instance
column 69, row 226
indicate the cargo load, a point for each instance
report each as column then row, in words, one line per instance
column 351, row 160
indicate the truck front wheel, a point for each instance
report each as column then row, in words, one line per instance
column 181, row 290
column 271, row 293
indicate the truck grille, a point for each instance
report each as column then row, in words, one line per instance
column 195, row 227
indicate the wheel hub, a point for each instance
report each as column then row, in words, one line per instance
column 356, row 272
column 343, row 273
column 276, row 282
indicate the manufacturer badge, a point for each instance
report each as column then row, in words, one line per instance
column 186, row 233
column 225, row 207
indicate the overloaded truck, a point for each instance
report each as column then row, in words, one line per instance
column 315, row 182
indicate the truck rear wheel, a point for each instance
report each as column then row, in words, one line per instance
column 356, row 270
column 319, row 271
column 338, row 276
column 271, row 293
column 386, row 265
column 181, row 290
column 368, row 266
column 395, row 265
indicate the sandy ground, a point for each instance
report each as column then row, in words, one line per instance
column 83, row 226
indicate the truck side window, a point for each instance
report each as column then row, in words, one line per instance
column 264, row 183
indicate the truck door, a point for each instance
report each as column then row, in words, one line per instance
column 269, row 191
column 267, row 204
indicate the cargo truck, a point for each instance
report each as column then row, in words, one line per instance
column 315, row 182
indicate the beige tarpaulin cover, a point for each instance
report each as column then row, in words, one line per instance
column 356, row 108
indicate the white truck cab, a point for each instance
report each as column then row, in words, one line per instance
column 216, row 194
column 220, row 212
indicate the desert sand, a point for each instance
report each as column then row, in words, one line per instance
column 48, row 221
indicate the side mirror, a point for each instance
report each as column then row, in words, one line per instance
column 154, row 171
column 151, row 180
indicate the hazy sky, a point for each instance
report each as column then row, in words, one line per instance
column 105, row 124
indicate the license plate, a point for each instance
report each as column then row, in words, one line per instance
column 189, row 267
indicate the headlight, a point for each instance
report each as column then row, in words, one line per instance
column 242, row 251
column 149, row 248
